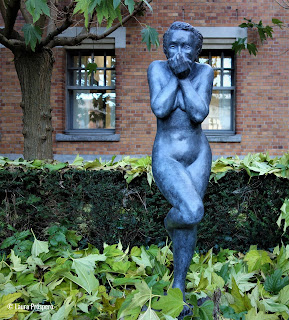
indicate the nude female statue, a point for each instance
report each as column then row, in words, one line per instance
column 180, row 93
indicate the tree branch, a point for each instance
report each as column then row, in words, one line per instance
column 26, row 15
column 285, row 5
column 66, row 24
column 11, row 44
column 72, row 41
column 12, row 9
column 3, row 10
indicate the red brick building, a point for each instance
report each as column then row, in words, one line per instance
column 109, row 113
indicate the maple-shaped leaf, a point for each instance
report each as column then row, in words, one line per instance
column 130, row 4
column 256, row 259
column 32, row 35
column 253, row 315
column 274, row 283
column 150, row 37
column 91, row 67
column 36, row 8
column 241, row 302
column 172, row 304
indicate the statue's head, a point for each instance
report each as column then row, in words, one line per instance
column 196, row 36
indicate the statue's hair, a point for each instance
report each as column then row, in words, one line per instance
column 178, row 25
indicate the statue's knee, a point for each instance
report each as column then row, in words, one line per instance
column 195, row 215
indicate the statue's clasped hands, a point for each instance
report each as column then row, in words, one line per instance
column 180, row 66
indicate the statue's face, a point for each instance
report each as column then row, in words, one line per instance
column 181, row 41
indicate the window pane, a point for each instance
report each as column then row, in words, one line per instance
column 217, row 78
column 110, row 61
column 227, row 62
column 85, row 60
column 93, row 109
column 75, row 61
column 98, row 78
column 216, row 62
column 227, row 80
column 99, row 60
column 220, row 111
column 204, row 59
column 110, row 78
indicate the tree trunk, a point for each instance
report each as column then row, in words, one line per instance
column 34, row 71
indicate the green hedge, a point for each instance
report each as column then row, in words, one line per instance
column 241, row 209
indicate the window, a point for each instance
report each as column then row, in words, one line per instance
column 90, row 96
column 221, row 119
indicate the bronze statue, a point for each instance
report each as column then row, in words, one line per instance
column 180, row 93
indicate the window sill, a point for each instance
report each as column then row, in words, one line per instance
column 81, row 137
column 225, row 138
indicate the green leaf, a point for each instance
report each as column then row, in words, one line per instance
column 17, row 266
column 274, row 283
column 256, row 259
column 206, row 310
column 241, row 302
column 284, row 215
column 253, row 315
column 36, row 8
column 239, row 45
column 130, row 4
column 149, row 315
column 7, row 313
column 284, row 296
column 272, row 306
column 116, row 3
column 85, row 280
column 252, row 48
column 87, row 263
column 39, row 247
column 278, row 22
column 150, row 37
column 32, row 35
column 171, row 304
column 91, row 67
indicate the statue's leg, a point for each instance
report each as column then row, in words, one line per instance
column 184, row 241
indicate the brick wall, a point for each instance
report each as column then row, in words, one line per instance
column 262, row 112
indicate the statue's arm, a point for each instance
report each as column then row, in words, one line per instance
column 162, row 96
column 197, row 101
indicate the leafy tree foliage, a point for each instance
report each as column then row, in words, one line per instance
column 45, row 21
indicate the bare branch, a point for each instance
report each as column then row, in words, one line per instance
column 26, row 15
column 11, row 44
column 285, row 5
column 12, row 9
column 72, row 41
column 65, row 25
column 3, row 10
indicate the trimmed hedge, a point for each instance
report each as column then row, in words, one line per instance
column 239, row 210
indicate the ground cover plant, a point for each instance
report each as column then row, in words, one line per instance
column 52, row 281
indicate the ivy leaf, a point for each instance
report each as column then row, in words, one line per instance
column 143, row 295
column 171, row 304
column 274, row 283
column 256, row 259
column 284, row 296
column 144, row 259
column 36, row 8
column 32, row 35
column 273, row 306
column 85, row 280
column 39, row 247
column 253, row 315
column 284, row 215
column 149, row 315
column 150, row 37
column 241, row 303
column 5, row 301
column 17, row 265
column 206, row 310
column 87, row 264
